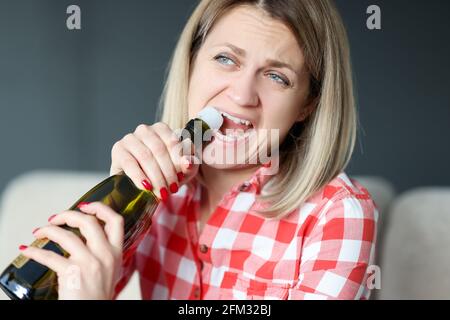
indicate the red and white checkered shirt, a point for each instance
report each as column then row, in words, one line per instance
column 319, row 251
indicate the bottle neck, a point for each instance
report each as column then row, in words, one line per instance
column 198, row 132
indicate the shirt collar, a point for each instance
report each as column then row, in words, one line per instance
column 255, row 184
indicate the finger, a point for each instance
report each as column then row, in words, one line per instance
column 190, row 167
column 176, row 149
column 114, row 222
column 68, row 240
column 90, row 228
column 128, row 165
column 47, row 258
column 162, row 156
column 146, row 160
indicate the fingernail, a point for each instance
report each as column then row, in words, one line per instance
column 82, row 204
column 164, row 194
column 180, row 176
column 51, row 217
column 22, row 247
column 173, row 187
column 189, row 162
column 147, row 185
column 35, row 230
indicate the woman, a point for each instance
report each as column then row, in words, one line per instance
column 240, row 230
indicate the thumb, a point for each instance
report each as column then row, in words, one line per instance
column 190, row 166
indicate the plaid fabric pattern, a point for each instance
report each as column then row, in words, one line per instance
column 319, row 251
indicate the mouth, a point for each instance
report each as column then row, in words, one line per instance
column 234, row 122
column 234, row 127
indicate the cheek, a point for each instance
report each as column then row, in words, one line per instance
column 279, row 110
column 205, row 84
column 279, row 113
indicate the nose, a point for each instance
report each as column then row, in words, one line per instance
column 242, row 91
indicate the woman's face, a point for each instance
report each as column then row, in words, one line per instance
column 250, row 66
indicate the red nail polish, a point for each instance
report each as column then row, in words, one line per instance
column 267, row 164
column 82, row 204
column 188, row 161
column 22, row 247
column 147, row 185
column 180, row 176
column 35, row 230
column 51, row 217
column 164, row 194
column 173, row 187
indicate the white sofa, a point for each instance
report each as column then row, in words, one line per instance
column 31, row 198
column 415, row 260
column 415, row 227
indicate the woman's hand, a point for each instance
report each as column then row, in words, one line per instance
column 93, row 268
column 154, row 159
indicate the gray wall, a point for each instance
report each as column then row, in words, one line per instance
column 402, row 79
column 67, row 96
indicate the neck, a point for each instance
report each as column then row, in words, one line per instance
column 217, row 182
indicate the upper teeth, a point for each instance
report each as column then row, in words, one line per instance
column 236, row 119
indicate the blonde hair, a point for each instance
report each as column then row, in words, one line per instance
column 317, row 149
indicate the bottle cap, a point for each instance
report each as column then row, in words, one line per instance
column 211, row 116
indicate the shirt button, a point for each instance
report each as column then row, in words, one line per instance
column 203, row 248
column 197, row 293
column 244, row 186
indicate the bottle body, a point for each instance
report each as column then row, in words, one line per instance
column 25, row 279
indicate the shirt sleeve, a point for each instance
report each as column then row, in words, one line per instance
column 338, row 250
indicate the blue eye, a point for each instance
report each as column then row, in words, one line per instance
column 279, row 79
column 224, row 60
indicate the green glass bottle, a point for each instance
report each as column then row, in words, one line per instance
column 25, row 279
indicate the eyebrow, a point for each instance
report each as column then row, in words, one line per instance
column 271, row 62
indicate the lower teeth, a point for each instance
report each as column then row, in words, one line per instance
column 234, row 135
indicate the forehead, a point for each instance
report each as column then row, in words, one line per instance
column 252, row 29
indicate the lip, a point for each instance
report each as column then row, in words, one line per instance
column 237, row 115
